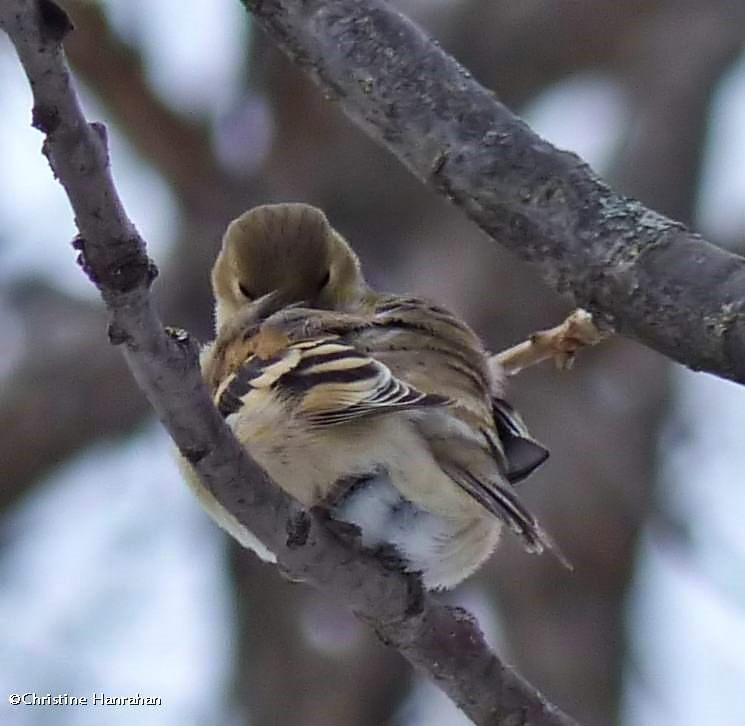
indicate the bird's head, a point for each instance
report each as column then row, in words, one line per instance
column 287, row 249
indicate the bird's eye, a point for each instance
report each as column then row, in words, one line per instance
column 324, row 280
column 245, row 291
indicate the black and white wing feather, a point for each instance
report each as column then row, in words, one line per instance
column 325, row 380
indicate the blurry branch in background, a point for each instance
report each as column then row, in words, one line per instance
column 62, row 339
column 664, row 145
column 181, row 150
column 444, row 642
column 638, row 272
column 518, row 48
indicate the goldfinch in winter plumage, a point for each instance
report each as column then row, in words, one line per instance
column 380, row 408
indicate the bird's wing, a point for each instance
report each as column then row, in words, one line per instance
column 409, row 330
column 326, row 381
column 481, row 462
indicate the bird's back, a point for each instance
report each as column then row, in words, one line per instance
column 432, row 350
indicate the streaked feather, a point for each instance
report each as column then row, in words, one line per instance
column 325, row 381
column 504, row 503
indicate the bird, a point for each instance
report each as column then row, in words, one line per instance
column 380, row 409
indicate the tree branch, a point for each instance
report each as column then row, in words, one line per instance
column 442, row 641
column 637, row 271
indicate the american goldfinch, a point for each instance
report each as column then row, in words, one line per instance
column 382, row 409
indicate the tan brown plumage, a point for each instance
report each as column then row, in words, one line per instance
column 381, row 407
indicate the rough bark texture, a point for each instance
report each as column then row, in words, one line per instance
column 638, row 271
column 444, row 642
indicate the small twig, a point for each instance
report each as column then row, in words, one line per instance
column 560, row 343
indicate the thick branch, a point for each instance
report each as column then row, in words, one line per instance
column 437, row 639
column 638, row 272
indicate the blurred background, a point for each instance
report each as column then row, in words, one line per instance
column 112, row 579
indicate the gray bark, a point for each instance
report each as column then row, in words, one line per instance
column 641, row 273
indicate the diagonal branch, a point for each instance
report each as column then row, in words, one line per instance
column 637, row 271
column 444, row 642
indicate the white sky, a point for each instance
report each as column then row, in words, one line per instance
column 688, row 609
column 114, row 581
column 722, row 200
